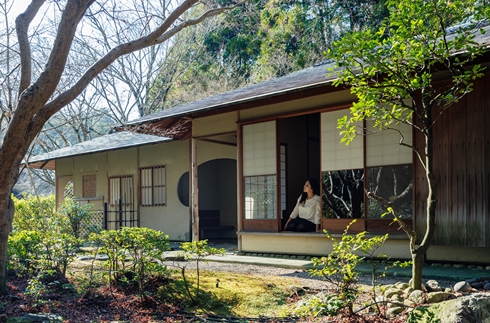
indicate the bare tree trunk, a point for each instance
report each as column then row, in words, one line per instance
column 418, row 254
column 35, row 104
column 418, row 262
column 7, row 215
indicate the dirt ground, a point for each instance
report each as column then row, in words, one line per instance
column 105, row 305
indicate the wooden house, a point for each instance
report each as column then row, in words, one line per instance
column 235, row 164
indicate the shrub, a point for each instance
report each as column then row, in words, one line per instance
column 145, row 248
column 75, row 217
column 24, row 251
column 339, row 267
column 32, row 214
column 60, row 250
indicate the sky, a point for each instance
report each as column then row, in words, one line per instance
column 19, row 6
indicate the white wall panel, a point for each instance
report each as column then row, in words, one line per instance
column 259, row 149
column 337, row 155
column 383, row 148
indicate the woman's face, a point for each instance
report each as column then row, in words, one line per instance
column 307, row 187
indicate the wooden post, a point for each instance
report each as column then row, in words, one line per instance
column 240, row 198
column 195, row 191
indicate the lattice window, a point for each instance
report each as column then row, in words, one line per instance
column 68, row 192
column 89, row 186
column 260, row 197
column 153, row 189
column 94, row 223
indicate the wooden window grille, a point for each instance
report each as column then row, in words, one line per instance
column 121, row 188
column 153, row 186
column 89, row 186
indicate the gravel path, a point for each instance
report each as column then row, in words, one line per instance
column 301, row 275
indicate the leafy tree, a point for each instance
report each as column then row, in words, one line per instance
column 40, row 95
column 392, row 71
column 296, row 34
column 258, row 41
column 208, row 59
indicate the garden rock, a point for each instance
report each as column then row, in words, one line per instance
column 394, row 310
column 462, row 287
column 436, row 297
column 433, row 286
column 390, row 292
column 474, row 308
column 416, row 296
column 36, row 318
column 407, row 292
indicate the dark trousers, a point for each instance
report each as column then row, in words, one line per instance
column 300, row 225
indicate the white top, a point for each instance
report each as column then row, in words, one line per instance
column 310, row 211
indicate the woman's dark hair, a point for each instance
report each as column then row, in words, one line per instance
column 315, row 186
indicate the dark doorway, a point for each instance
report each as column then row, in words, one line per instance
column 217, row 194
column 300, row 141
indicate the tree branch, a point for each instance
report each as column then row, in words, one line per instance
column 22, row 26
column 159, row 35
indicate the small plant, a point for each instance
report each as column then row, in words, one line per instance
column 320, row 305
column 197, row 251
column 76, row 216
column 145, row 248
column 64, row 251
column 339, row 267
column 35, row 289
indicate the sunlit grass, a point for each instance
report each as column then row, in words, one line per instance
column 220, row 293
column 243, row 295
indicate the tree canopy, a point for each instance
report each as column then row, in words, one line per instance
column 262, row 40
column 393, row 70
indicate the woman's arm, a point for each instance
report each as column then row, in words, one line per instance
column 293, row 214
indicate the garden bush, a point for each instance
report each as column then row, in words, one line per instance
column 143, row 247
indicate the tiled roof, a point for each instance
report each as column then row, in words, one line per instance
column 114, row 141
column 307, row 78
column 315, row 76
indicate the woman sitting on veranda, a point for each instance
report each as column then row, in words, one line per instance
column 306, row 214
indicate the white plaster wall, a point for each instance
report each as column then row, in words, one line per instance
column 91, row 164
column 122, row 162
column 310, row 244
column 221, row 123
column 64, row 167
column 208, row 151
column 173, row 218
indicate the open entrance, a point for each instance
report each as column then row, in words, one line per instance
column 279, row 156
column 217, row 198
column 299, row 138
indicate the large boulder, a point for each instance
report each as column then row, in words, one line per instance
column 473, row 308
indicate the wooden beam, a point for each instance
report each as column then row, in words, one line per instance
column 195, row 191
column 219, row 142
